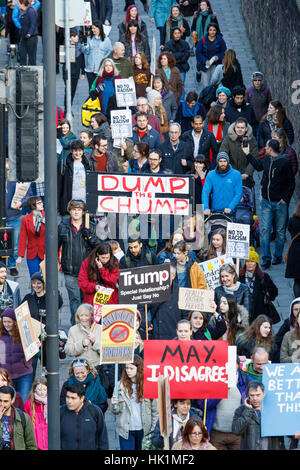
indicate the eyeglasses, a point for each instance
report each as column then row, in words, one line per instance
column 196, row 434
column 153, row 160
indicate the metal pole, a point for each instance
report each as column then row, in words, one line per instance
column 52, row 345
column 2, row 167
column 68, row 64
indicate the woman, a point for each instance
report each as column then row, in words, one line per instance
column 166, row 68
column 86, row 137
column 100, row 125
column 32, row 236
column 36, row 408
column 135, row 42
column 141, row 74
column 188, row 272
column 29, row 33
column 290, row 347
column 84, row 338
column 97, row 47
column 288, row 324
column 199, row 170
column 194, row 437
column 229, row 73
column 274, row 118
column 230, row 285
column 180, row 50
column 104, row 85
column 259, row 334
column 262, row 288
column 223, row 94
column 175, row 18
column 236, row 317
column 81, row 371
column 135, row 416
column 188, row 109
column 100, row 270
column 210, row 51
column 166, row 255
column 202, row 18
column 202, row 330
column 167, row 96
column 215, row 122
column 155, row 103
column 13, row 358
column 159, row 12
column 5, row 380
column 139, row 160
column 292, row 270
column 66, row 137
column 217, row 245
column 286, row 149
column 132, row 14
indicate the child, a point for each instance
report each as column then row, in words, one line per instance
column 189, row 273
column 36, row 408
column 116, row 249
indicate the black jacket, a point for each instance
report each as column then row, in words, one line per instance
column 233, row 78
column 181, row 52
column 145, row 258
column 85, row 430
column 278, row 181
column 265, row 133
column 215, row 332
column 293, row 269
column 207, row 142
column 37, row 305
column 76, row 246
column 232, row 112
column 101, row 10
column 171, row 159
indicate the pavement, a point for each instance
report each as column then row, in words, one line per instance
column 234, row 31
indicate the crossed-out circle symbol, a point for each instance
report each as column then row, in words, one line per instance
column 119, row 333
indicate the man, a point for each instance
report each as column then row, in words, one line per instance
column 123, row 64
column 76, row 242
column 225, row 185
column 277, row 187
column 237, row 106
column 201, row 142
column 103, row 159
column 240, row 135
column 175, row 155
column 143, row 105
column 259, row 357
column 247, row 421
column 101, row 10
column 10, row 296
column 77, row 67
column 72, row 176
column 82, row 424
column 16, row 431
column 143, row 131
column 259, row 96
column 155, row 162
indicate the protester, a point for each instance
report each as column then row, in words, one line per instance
column 174, row 19
column 194, row 437
column 28, row 32
column 199, row 170
column 175, row 152
column 188, row 272
column 100, row 126
column 202, row 330
column 77, row 67
column 122, row 63
column 167, row 96
column 10, row 296
column 235, row 315
column 139, row 160
column 259, row 334
column 288, row 324
column 189, row 109
column 104, row 85
column 202, row 18
column 230, row 285
column 36, row 407
column 237, row 107
column 217, row 245
column 132, row 14
column 157, row 108
column 102, row 159
column 290, row 346
column 254, row 368
column 222, row 94
column 180, row 50
column 135, row 42
column 228, row 74
column 166, row 68
column 201, row 141
column 215, row 122
column 159, row 11
column 274, row 118
column 86, row 137
column 5, row 380
column 286, row 149
column 259, row 96
column 141, row 74
column 66, row 137
column 166, row 255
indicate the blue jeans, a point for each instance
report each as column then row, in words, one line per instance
column 183, row 75
column 34, row 265
column 16, row 225
column 134, row 441
column 71, row 283
column 23, row 385
column 272, row 211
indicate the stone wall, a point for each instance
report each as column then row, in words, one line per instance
column 274, row 31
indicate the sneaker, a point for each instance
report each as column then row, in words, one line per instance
column 13, row 272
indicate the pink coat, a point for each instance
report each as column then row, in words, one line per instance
column 40, row 426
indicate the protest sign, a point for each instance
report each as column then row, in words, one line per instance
column 101, row 298
column 27, row 332
column 195, row 368
column 121, row 123
column 145, row 284
column 118, row 332
column 211, row 270
column 195, row 299
column 237, row 240
column 281, row 405
column 164, row 409
column 139, row 193
column 125, row 92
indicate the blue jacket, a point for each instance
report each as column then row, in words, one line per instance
column 94, row 51
column 16, row 14
column 160, row 10
column 202, row 51
column 29, row 22
column 226, row 189
column 151, row 137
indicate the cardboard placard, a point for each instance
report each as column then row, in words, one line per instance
column 101, row 298
column 237, row 240
column 195, row 299
column 125, row 92
column 211, row 270
column 27, row 333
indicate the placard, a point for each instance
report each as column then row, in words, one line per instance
column 118, row 334
column 280, row 415
column 125, row 92
column 101, row 298
column 195, row 368
column 211, row 270
column 145, row 285
column 27, row 333
column 195, row 299
column 121, row 123
column 139, row 193
column 237, row 240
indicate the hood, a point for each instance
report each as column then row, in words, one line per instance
column 234, row 137
column 295, row 301
column 243, row 317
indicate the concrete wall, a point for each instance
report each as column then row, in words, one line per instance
column 274, row 31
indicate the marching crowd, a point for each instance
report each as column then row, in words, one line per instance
column 220, row 133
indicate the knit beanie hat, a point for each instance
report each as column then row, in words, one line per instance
column 9, row 312
column 258, row 75
column 223, row 155
column 223, row 89
column 151, row 96
column 38, row 275
column 253, row 256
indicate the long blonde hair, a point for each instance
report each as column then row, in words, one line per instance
column 40, row 381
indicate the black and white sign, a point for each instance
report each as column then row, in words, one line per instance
column 237, row 240
column 121, row 123
column 125, row 92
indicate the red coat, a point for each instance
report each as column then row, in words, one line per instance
column 108, row 279
column 35, row 245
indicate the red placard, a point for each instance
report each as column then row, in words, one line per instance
column 196, row 369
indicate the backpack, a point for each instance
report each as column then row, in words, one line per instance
column 22, row 416
column 89, row 108
column 250, row 92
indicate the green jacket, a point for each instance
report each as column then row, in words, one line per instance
column 23, row 438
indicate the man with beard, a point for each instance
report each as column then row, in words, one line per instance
column 9, row 291
column 225, row 185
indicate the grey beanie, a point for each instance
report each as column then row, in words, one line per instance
column 258, row 75
column 223, row 155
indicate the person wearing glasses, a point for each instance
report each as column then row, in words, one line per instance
column 194, row 437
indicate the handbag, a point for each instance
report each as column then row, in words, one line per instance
column 270, row 311
column 287, row 253
column 89, row 108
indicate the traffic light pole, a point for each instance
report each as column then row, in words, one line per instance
column 49, row 61
column 2, row 166
column 68, row 63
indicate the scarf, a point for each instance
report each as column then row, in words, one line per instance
column 39, row 219
column 199, row 24
column 189, row 112
column 44, row 401
column 230, row 290
column 107, row 75
column 94, row 391
column 171, row 23
column 218, row 137
column 271, row 122
column 178, row 426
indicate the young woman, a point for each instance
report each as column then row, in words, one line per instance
column 228, row 73
column 66, row 137
column 166, row 68
column 258, row 334
column 184, row 330
column 135, row 42
column 286, row 149
column 181, row 52
column 132, row 14
column 188, row 109
column 139, row 161
column 141, row 74
column 84, row 338
column 100, row 125
column 288, row 324
column 6, row 380
column 217, row 245
column 175, row 18
column 86, row 137
column 166, row 255
column 29, row 32
column 167, row 96
column 136, row 416
column 104, row 85
column 157, row 108
column 223, row 94
column 230, row 285
column 194, row 437
column 274, row 118
column 292, row 270
column 100, row 270
column 290, row 347
column 199, row 170
column 36, row 408
column 215, row 122
column 202, row 18
column 202, row 330
column 236, row 317
column 188, row 272
column 32, row 235
column 81, row 371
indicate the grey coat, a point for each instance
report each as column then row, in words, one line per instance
column 290, row 348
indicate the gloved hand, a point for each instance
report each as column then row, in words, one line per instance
column 94, row 94
column 86, row 232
